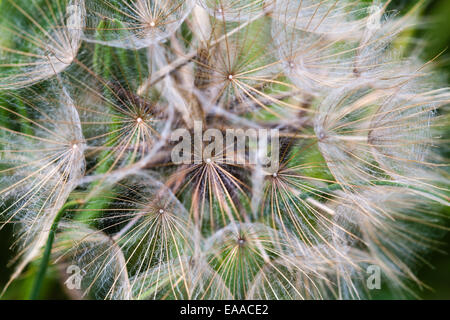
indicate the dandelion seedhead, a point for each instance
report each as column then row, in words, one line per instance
column 220, row 149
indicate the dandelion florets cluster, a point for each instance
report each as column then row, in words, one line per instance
column 92, row 91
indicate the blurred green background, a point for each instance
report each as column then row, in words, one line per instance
column 435, row 34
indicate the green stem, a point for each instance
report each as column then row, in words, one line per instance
column 48, row 249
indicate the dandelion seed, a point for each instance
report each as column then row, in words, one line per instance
column 135, row 24
column 49, row 46
column 215, row 192
column 162, row 235
column 234, row 81
column 378, row 215
column 324, row 45
column 121, row 127
column 364, row 138
column 229, row 252
column 42, row 166
column 304, row 275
